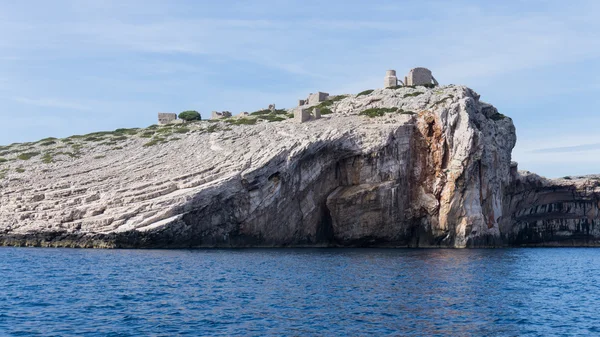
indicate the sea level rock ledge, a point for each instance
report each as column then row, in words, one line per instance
column 395, row 167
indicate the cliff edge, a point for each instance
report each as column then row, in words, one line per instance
column 398, row 167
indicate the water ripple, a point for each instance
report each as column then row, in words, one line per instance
column 304, row 292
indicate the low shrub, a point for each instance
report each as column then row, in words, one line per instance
column 366, row 92
column 443, row 100
column 47, row 158
column 27, row 155
column 497, row 116
column 212, row 128
column 130, row 132
column 243, row 121
column 147, row 134
column 181, row 130
column 272, row 118
column 20, row 170
column 3, row 160
column 157, row 140
column 377, row 112
column 93, row 139
column 326, row 111
column 48, row 143
column 414, row 94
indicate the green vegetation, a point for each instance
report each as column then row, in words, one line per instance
column 429, row 85
column 497, row 116
column 3, row 160
column 47, row 158
column 100, row 157
column 147, row 134
column 414, row 94
column 443, row 100
column 325, row 111
column 93, row 139
column 70, row 154
column 213, row 128
column 272, row 118
column 119, row 138
column 190, row 115
column 181, row 130
column 377, row 112
column 366, row 92
column 130, row 132
column 165, row 129
column 27, row 155
column 268, row 112
column 20, row 170
column 109, row 143
column 157, row 140
column 241, row 121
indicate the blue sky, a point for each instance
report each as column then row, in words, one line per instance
column 77, row 66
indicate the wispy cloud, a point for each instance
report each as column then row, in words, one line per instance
column 565, row 149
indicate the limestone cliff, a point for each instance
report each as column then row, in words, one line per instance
column 392, row 167
column 552, row 212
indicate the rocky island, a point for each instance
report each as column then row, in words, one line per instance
column 402, row 166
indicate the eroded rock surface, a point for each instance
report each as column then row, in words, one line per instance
column 434, row 171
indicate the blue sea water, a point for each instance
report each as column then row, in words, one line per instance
column 300, row 292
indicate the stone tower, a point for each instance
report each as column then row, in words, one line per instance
column 390, row 79
column 420, row 76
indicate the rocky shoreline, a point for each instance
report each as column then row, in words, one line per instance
column 396, row 167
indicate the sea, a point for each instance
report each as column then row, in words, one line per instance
column 300, row 292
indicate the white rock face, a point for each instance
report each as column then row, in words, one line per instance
column 435, row 172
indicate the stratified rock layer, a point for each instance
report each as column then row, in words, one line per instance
column 434, row 172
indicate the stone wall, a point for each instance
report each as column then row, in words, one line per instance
column 166, row 117
column 419, row 76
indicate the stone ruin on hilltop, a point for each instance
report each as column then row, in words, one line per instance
column 307, row 110
column 416, row 76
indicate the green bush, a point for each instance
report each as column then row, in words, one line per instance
column 27, row 155
column 326, row 111
column 93, row 139
column 47, row 158
column 242, row 121
column 181, row 130
column 414, row 94
column 497, row 116
column 155, row 141
column 443, row 100
column 377, row 112
column 3, row 160
column 20, row 170
column 272, row 118
column 126, row 131
column 147, row 134
column 190, row 115
column 212, row 128
column 48, row 143
column 366, row 92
